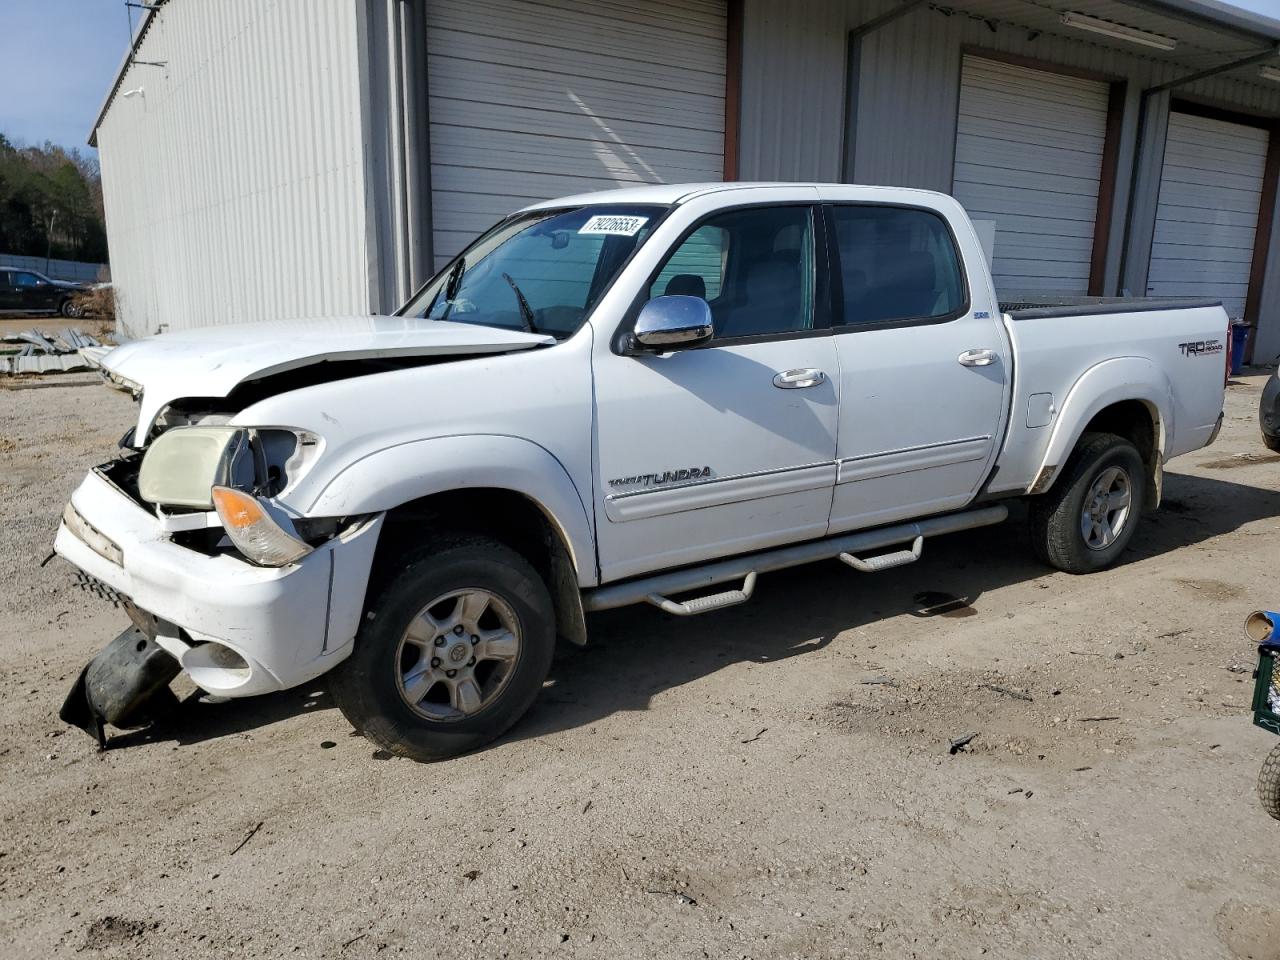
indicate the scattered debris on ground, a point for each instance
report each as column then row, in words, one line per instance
column 67, row 351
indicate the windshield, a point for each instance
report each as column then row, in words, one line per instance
column 541, row 271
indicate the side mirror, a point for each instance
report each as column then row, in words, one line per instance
column 675, row 321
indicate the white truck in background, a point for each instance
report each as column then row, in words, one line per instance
column 644, row 395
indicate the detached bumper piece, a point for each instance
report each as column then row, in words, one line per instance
column 125, row 685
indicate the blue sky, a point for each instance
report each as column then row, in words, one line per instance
column 57, row 58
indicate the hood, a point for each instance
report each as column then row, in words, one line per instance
column 67, row 285
column 212, row 361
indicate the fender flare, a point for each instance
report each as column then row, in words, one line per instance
column 395, row 475
column 1101, row 386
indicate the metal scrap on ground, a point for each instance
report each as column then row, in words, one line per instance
column 63, row 352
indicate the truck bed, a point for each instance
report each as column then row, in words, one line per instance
column 1175, row 346
column 1042, row 308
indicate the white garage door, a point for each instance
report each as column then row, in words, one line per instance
column 532, row 99
column 1029, row 148
column 1210, row 194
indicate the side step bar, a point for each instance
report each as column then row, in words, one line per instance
column 885, row 561
column 656, row 589
column 714, row 601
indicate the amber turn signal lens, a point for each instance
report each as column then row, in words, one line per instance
column 254, row 531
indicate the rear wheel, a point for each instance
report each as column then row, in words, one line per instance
column 1085, row 522
column 453, row 652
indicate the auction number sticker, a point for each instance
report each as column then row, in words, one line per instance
column 614, row 225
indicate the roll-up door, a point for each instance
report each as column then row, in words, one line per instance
column 533, row 99
column 1029, row 148
column 1207, row 218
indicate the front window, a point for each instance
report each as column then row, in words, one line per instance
column 754, row 266
column 541, row 271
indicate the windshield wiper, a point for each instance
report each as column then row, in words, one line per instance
column 451, row 288
column 455, row 278
column 526, row 312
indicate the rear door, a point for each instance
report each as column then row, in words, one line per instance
column 923, row 365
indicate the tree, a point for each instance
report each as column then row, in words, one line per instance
column 37, row 181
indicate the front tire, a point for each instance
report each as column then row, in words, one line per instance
column 452, row 652
column 70, row 309
column 1085, row 522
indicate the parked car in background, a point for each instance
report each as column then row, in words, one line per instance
column 615, row 398
column 26, row 291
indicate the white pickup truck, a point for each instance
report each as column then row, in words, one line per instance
column 642, row 395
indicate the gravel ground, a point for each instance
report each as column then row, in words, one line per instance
column 768, row 781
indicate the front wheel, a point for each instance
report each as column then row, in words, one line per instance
column 452, row 652
column 1084, row 523
column 70, row 309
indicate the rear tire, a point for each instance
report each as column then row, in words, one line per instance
column 1087, row 519
column 1271, row 443
column 409, row 686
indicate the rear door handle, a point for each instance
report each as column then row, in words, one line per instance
column 799, row 379
column 977, row 358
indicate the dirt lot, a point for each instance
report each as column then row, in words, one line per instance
column 768, row 781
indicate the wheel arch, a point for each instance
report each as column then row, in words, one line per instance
column 505, row 487
column 1129, row 397
column 508, row 516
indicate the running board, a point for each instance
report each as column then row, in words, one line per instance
column 885, row 561
column 715, row 601
column 740, row 568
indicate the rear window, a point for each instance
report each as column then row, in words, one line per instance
column 897, row 264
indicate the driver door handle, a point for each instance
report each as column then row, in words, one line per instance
column 799, row 379
column 977, row 358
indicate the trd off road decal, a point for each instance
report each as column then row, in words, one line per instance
column 666, row 476
column 1201, row 348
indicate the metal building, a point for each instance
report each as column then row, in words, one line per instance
column 306, row 157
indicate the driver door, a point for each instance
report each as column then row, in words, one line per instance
column 729, row 447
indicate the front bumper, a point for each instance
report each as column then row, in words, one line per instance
column 236, row 629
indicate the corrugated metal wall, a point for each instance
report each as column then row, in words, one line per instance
column 793, row 90
column 235, row 178
column 904, row 112
column 533, row 100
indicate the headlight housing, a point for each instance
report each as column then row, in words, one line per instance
column 234, row 471
column 183, row 465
